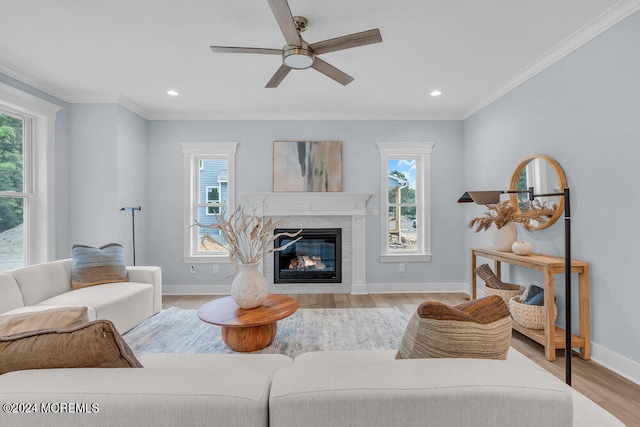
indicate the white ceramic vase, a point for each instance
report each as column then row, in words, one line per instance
column 503, row 238
column 521, row 248
column 249, row 288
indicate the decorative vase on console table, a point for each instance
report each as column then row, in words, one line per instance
column 501, row 218
column 249, row 288
column 503, row 238
column 248, row 237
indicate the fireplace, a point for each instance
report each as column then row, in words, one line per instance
column 316, row 258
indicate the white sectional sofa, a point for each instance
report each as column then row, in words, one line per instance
column 350, row 389
column 48, row 285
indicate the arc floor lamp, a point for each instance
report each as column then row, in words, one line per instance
column 492, row 197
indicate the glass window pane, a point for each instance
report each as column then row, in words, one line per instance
column 213, row 173
column 213, row 196
column 209, row 239
column 402, row 229
column 402, row 175
column 11, row 154
column 12, row 250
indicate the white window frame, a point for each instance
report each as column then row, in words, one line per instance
column 192, row 153
column 39, row 170
column 421, row 153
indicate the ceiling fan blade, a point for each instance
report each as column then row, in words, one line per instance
column 332, row 72
column 346, row 42
column 278, row 76
column 282, row 12
column 226, row 49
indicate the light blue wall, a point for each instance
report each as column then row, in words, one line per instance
column 359, row 174
column 131, row 178
column 585, row 112
column 108, row 172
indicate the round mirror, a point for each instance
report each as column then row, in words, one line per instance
column 545, row 175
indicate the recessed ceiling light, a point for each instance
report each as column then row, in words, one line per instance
column 436, row 93
column 172, row 93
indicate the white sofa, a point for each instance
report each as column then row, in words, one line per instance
column 48, row 285
column 356, row 388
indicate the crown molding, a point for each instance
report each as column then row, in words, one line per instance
column 297, row 116
column 33, row 81
column 63, row 95
column 597, row 26
column 110, row 98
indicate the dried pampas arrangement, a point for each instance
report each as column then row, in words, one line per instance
column 248, row 235
column 503, row 212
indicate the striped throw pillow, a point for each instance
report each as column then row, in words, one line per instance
column 94, row 266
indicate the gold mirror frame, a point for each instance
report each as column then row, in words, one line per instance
column 562, row 181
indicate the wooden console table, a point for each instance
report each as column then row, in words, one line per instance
column 551, row 337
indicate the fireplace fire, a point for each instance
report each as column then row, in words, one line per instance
column 316, row 258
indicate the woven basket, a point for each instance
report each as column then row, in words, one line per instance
column 529, row 316
column 505, row 294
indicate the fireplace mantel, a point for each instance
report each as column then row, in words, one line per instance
column 307, row 203
column 297, row 206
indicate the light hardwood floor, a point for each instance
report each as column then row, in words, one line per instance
column 616, row 394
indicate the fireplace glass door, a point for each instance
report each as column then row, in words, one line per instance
column 316, row 258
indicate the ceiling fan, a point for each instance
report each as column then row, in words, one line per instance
column 297, row 54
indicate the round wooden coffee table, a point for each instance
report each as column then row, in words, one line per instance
column 248, row 330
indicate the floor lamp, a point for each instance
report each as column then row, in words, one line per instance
column 133, row 227
column 492, row 197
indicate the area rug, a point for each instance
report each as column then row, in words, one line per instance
column 176, row 330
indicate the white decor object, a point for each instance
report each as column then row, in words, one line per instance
column 249, row 288
column 248, row 237
column 504, row 237
column 521, row 248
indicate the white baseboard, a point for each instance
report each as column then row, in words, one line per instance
column 415, row 288
column 616, row 363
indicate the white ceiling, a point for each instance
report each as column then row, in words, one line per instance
column 133, row 51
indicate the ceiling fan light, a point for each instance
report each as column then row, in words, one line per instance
column 297, row 58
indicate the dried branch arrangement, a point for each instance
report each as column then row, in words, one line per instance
column 249, row 236
column 502, row 213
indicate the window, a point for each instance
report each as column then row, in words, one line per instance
column 15, row 193
column 213, row 196
column 405, row 201
column 27, row 129
column 209, row 171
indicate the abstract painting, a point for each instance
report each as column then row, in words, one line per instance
column 307, row 166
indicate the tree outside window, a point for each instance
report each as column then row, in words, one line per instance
column 12, row 196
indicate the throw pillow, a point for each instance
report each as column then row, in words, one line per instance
column 479, row 329
column 48, row 319
column 535, row 296
column 94, row 266
column 95, row 344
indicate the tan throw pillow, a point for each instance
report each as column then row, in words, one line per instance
column 55, row 318
column 94, row 266
column 95, row 344
column 478, row 329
